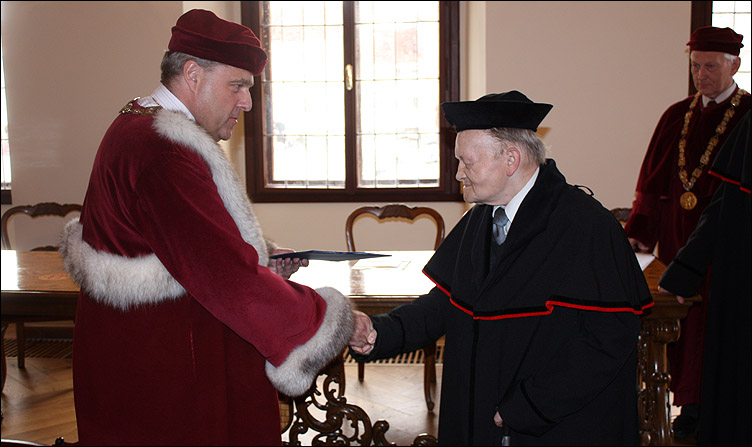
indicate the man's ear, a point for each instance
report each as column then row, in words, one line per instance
column 512, row 161
column 735, row 66
column 191, row 73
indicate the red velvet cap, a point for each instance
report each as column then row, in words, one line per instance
column 202, row 34
column 710, row 38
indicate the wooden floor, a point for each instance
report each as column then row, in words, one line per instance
column 37, row 402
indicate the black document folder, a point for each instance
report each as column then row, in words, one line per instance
column 329, row 255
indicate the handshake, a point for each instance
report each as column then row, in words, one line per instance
column 364, row 335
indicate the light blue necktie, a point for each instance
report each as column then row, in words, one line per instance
column 500, row 220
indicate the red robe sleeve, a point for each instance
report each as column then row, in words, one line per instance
column 185, row 222
column 655, row 173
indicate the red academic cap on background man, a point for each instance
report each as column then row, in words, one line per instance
column 202, row 34
column 710, row 38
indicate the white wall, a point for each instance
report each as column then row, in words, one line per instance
column 609, row 69
column 69, row 68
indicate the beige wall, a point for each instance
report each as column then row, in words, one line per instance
column 609, row 69
column 69, row 67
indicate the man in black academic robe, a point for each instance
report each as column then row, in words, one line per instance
column 721, row 243
column 541, row 330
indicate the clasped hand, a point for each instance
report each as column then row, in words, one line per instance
column 364, row 335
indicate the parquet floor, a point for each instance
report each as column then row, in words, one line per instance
column 37, row 402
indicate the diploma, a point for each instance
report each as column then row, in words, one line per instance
column 328, row 255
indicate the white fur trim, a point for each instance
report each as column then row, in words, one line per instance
column 296, row 374
column 118, row 281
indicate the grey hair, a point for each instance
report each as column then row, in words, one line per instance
column 729, row 57
column 173, row 61
column 529, row 141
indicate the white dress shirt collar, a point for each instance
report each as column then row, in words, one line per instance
column 511, row 208
column 162, row 96
column 720, row 98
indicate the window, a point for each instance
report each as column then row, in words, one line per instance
column 735, row 15
column 6, row 176
column 348, row 107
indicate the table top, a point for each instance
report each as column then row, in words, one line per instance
column 34, row 272
column 374, row 284
column 31, row 279
column 35, row 285
column 398, row 275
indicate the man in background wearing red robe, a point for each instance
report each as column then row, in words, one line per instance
column 674, row 188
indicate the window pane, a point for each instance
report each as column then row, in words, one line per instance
column 736, row 15
column 397, row 85
column 303, row 93
column 743, row 6
column 723, row 7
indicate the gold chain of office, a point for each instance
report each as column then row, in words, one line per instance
column 146, row 111
column 688, row 200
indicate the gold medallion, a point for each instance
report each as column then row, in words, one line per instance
column 688, row 200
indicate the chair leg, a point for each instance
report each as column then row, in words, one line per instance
column 3, row 372
column 361, row 371
column 429, row 374
column 21, row 343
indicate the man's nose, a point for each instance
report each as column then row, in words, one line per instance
column 246, row 103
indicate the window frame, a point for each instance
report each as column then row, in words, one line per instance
column 256, row 167
column 701, row 15
column 6, row 195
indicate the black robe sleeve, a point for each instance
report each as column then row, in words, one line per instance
column 408, row 327
column 685, row 274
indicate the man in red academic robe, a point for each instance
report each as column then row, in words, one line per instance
column 184, row 329
column 674, row 188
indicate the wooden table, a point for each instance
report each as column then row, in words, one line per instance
column 374, row 285
column 35, row 287
column 660, row 326
column 34, row 284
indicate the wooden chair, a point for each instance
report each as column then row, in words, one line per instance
column 33, row 211
column 397, row 211
column 20, row 443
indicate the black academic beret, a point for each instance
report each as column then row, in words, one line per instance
column 510, row 109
